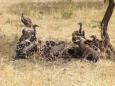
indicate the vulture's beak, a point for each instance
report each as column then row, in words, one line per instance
column 36, row 26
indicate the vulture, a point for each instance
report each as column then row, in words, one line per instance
column 26, row 21
column 81, row 31
column 77, row 33
column 34, row 27
column 96, row 41
column 88, row 52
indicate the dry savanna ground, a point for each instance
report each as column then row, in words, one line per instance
column 57, row 20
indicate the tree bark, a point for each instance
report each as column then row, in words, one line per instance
column 104, row 26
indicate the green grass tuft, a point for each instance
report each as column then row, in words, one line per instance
column 67, row 14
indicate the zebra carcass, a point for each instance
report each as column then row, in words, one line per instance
column 25, row 49
column 51, row 49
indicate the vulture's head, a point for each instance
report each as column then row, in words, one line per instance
column 80, row 23
column 34, row 26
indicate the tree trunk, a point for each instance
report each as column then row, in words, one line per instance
column 104, row 27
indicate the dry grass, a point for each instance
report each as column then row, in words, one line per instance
column 57, row 20
column 73, row 73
